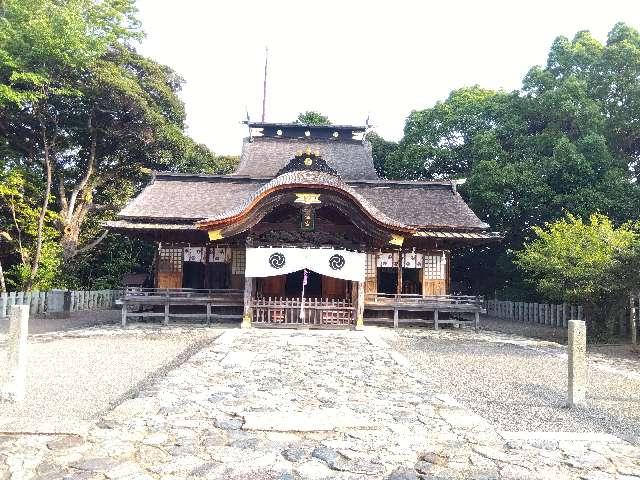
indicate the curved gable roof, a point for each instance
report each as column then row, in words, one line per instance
column 299, row 178
column 192, row 198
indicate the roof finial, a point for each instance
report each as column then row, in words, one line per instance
column 264, row 85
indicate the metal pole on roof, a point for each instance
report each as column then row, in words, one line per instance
column 264, row 85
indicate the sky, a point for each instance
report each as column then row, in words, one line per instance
column 352, row 59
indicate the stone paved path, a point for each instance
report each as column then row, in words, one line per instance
column 288, row 405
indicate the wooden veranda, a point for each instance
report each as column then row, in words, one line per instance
column 143, row 303
column 456, row 306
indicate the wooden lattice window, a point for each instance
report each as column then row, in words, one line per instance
column 434, row 267
column 238, row 261
column 170, row 259
column 370, row 269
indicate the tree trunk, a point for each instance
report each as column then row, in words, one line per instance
column 69, row 241
column 3, row 286
column 43, row 212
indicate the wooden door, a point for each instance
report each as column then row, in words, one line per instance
column 434, row 281
column 169, row 279
column 273, row 286
column 434, row 287
column 169, row 267
column 334, row 288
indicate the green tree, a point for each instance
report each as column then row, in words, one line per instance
column 569, row 140
column 571, row 260
column 381, row 150
column 311, row 117
column 79, row 105
column 20, row 200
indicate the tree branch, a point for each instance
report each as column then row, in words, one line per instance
column 93, row 244
column 45, row 205
column 89, row 171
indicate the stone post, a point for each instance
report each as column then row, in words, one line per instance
column 632, row 321
column 17, row 353
column 55, row 303
column 577, row 363
column 248, row 310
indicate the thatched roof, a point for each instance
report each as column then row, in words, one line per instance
column 339, row 161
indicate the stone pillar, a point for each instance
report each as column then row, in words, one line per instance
column 17, row 353
column 247, row 315
column 55, row 303
column 633, row 327
column 577, row 363
column 360, row 307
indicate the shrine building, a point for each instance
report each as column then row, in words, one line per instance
column 304, row 233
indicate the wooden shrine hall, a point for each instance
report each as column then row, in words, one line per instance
column 304, row 233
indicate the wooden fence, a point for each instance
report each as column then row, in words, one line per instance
column 59, row 301
column 557, row 315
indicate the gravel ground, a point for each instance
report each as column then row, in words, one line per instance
column 533, row 330
column 519, row 384
column 77, row 375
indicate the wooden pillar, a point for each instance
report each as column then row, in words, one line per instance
column 476, row 322
column 247, row 315
column 395, row 316
column 435, row 319
column 399, row 286
column 166, row 313
column 360, row 306
column 208, row 313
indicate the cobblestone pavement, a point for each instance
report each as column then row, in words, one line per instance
column 262, row 404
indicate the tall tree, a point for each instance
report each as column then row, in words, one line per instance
column 80, row 105
column 567, row 141
column 381, row 151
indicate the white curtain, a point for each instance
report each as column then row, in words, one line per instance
column 268, row 262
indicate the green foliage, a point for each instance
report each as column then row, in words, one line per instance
column 76, row 98
column 569, row 259
column 569, row 140
column 381, row 150
column 105, row 266
column 20, row 196
column 311, row 117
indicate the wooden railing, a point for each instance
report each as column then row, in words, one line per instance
column 195, row 293
column 141, row 303
column 428, row 302
column 316, row 312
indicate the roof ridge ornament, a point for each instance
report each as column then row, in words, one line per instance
column 307, row 160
